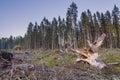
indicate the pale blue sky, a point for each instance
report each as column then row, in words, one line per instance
column 15, row 15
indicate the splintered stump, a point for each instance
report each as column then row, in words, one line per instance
column 90, row 55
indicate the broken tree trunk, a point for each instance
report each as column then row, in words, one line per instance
column 90, row 55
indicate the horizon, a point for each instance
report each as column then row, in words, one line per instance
column 16, row 14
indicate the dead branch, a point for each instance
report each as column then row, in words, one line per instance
column 21, row 67
column 78, row 52
column 113, row 63
column 5, row 71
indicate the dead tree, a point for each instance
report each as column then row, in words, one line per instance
column 90, row 55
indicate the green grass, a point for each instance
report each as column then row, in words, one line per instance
column 114, row 58
column 111, row 56
column 53, row 59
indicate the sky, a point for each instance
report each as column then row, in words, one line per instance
column 15, row 15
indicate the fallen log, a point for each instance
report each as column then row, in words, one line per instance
column 90, row 55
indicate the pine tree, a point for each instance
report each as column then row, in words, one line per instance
column 85, row 22
column 80, row 36
column 29, row 35
column 116, row 16
column 0, row 44
column 45, row 27
column 71, row 18
column 10, row 42
column 54, row 33
column 91, row 27
column 62, row 36
column 109, row 29
column 35, row 35
column 96, row 26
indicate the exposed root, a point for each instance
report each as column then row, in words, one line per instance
column 90, row 55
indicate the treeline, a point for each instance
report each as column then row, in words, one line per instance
column 9, row 43
column 73, row 31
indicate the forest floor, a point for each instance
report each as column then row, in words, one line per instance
column 54, row 65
